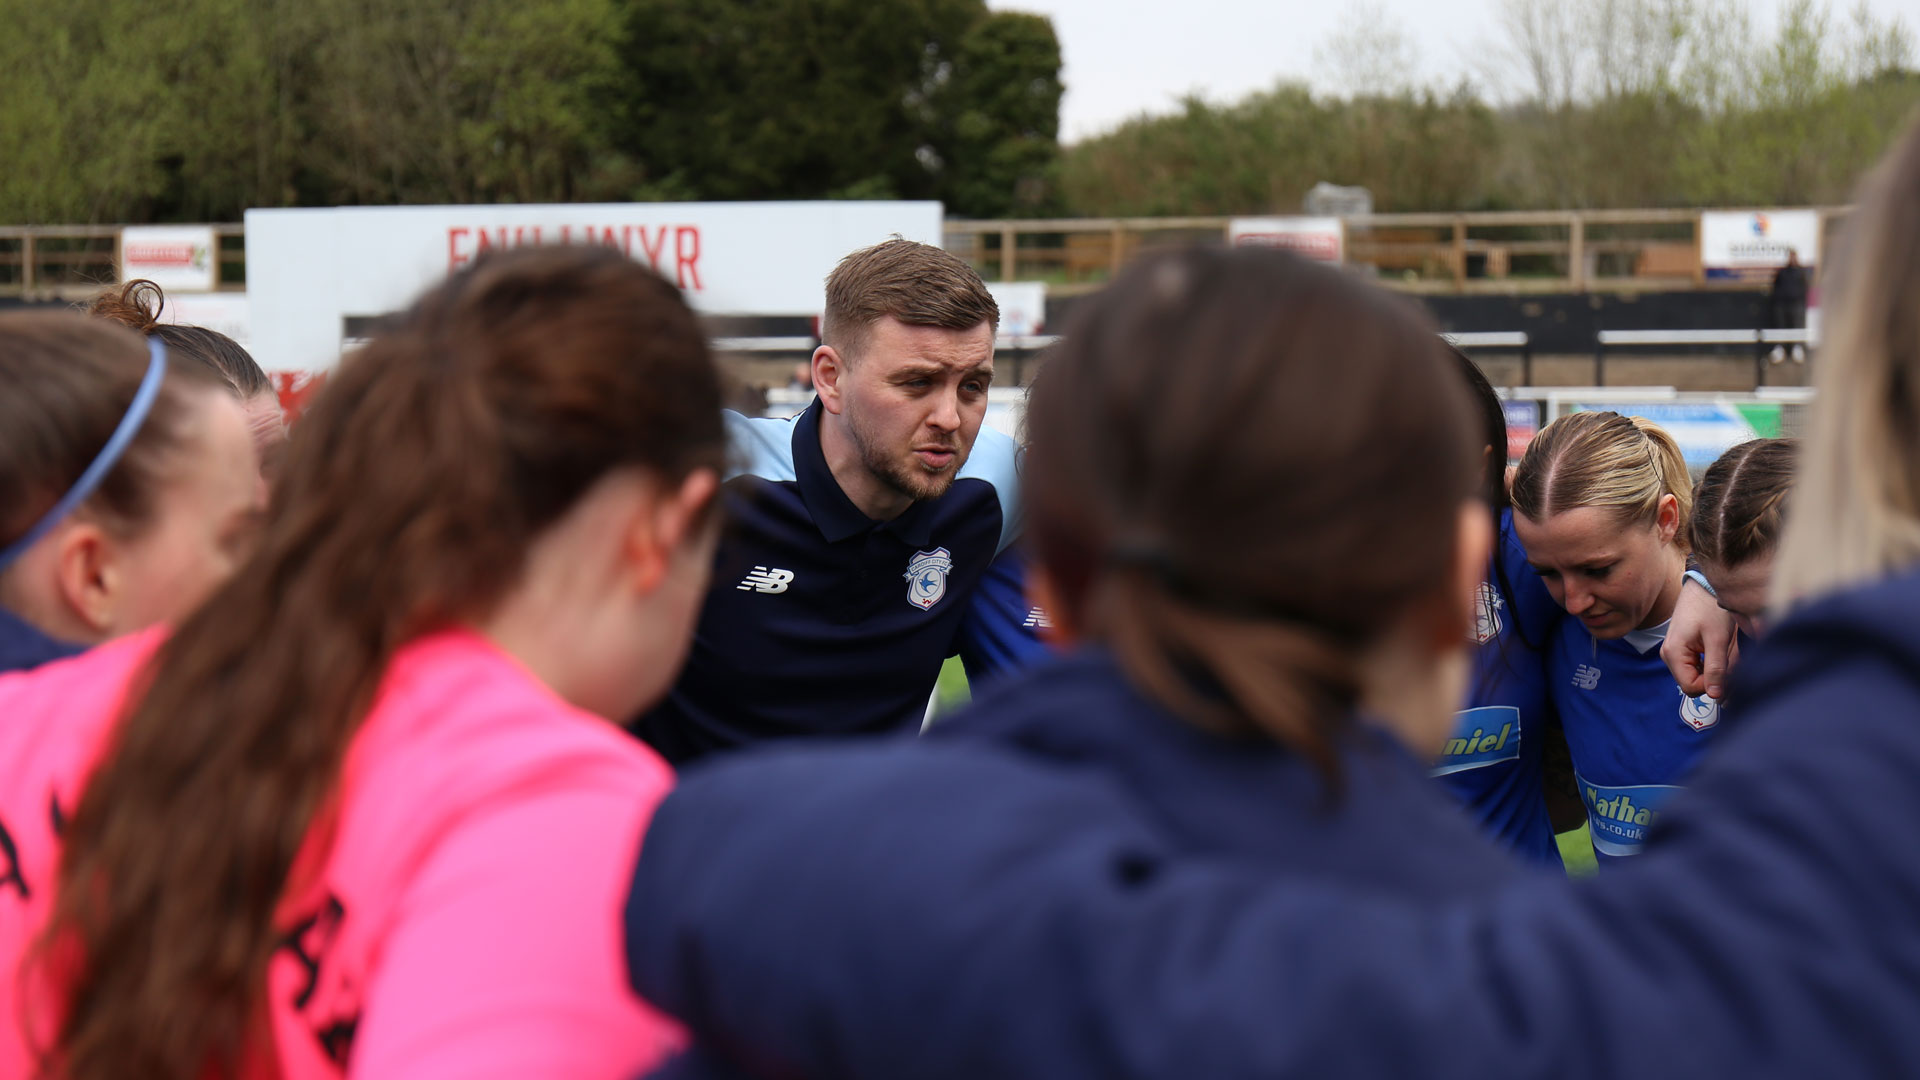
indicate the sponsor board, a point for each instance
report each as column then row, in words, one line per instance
column 1322, row 238
column 311, row 270
column 1704, row 430
column 178, row 258
column 1023, row 307
column 1523, row 423
column 1752, row 244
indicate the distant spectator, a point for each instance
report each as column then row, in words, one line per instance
column 1787, row 305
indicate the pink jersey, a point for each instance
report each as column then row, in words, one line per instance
column 467, row 919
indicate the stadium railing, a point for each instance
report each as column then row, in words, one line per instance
column 1759, row 339
column 1497, row 339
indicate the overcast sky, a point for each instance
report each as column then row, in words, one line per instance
column 1125, row 57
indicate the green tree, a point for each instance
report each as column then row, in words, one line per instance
column 84, row 112
column 784, row 99
column 761, row 99
column 996, row 141
column 1622, row 103
column 459, row 100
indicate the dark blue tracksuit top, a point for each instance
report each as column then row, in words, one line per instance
column 934, row 920
column 818, row 619
column 1073, row 729
column 23, row 646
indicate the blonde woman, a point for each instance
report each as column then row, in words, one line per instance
column 1602, row 503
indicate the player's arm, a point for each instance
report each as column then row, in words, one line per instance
column 1701, row 647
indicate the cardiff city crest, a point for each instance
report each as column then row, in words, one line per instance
column 1486, row 614
column 927, row 577
column 1699, row 713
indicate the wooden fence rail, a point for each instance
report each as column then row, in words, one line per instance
column 1507, row 252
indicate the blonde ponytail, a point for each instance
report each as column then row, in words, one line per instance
column 1675, row 480
column 1603, row 459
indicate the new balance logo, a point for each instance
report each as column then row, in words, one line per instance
column 762, row 579
column 1586, row 676
column 1037, row 618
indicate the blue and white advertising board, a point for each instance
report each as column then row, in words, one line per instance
column 1704, row 430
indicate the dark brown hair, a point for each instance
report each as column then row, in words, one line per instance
column 1741, row 502
column 432, row 460
column 137, row 305
column 1245, row 467
column 65, row 383
column 1492, row 417
column 918, row 284
column 1622, row 464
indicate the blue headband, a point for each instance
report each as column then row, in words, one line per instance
column 104, row 461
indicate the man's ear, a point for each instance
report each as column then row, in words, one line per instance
column 88, row 575
column 829, row 366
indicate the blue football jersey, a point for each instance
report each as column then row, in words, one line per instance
column 1493, row 761
column 1634, row 736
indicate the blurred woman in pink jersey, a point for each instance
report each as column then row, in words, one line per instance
column 361, row 814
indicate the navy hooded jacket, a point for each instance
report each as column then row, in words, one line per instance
column 23, row 646
column 1252, row 798
column 1075, row 723
column 960, row 926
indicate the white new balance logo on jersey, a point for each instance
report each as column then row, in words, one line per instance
column 1037, row 617
column 1586, row 676
column 764, row 579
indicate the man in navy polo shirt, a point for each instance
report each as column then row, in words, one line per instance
column 859, row 529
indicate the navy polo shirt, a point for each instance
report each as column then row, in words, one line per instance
column 820, row 620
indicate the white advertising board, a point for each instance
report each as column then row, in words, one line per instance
column 225, row 312
column 1322, row 238
column 310, row 270
column 1753, row 244
column 178, row 258
column 1023, row 307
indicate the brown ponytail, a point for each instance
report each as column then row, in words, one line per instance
column 413, row 489
column 137, row 305
column 1244, row 468
column 1740, row 506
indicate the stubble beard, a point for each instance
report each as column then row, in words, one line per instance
column 906, row 477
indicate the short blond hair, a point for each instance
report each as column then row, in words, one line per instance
column 1623, row 464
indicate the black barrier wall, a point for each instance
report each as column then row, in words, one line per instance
column 1567, row 322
